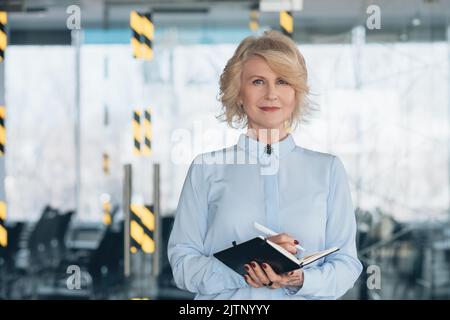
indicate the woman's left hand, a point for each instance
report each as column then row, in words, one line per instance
column 263, row 275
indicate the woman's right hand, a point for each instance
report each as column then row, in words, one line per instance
column 286, row 241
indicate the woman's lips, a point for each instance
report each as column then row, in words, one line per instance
column 270, row 109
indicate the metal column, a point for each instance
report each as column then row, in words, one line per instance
column 127, row 191
column 158, row 225
column 448, row 117
column 358, row 42
column 76, row 41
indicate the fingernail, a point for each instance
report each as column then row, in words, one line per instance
column 247, row 268
column 296, row 242
column 264, row 265
column 253, row 265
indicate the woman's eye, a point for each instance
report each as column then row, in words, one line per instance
column 257, row 81
column 281, row 81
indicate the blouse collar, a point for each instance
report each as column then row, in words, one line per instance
column 258, row 149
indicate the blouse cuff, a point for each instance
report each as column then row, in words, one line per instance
column 309, row 286
column 311, row 281
column 291, row 291
column 232, row 279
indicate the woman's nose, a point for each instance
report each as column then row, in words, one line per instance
column 271, row 93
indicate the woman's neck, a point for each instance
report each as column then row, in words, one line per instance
column 267, row 136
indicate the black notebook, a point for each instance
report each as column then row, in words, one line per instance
column 262, row 250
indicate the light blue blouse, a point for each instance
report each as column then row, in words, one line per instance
column 294, row 190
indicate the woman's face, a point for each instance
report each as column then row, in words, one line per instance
column 268, row 100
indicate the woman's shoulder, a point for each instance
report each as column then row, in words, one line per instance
column 214, row 156
column 323, row 161
column 314, row 154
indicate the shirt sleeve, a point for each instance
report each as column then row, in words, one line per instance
column 192, row 269
column 339, row 271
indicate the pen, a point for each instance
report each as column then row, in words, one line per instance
column 271, row 233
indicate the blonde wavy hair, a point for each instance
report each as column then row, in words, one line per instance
column 283, row 57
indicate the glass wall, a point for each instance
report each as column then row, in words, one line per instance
column 382, row 109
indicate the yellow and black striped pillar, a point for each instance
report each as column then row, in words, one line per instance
column 3, row 231
column 147, row 148
column 137, row 138
column 136, row 32
column 105, row 163
column 254, row 20
column 287, row 23
column 148, row 33
column 2, row 131
column 3, row 35
column 142, row 226
column 107, row 218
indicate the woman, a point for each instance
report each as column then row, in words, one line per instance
column 301, row 194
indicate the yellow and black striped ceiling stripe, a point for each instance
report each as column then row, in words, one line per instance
column 3, row 230
column 2, row 130
column 287, row 23
column 254, row 20
column 142, row 225
column 148, row 32
column 136, row 32
column 147, row 148
column 107, row 218
column 3, row 34
column 137, row 138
